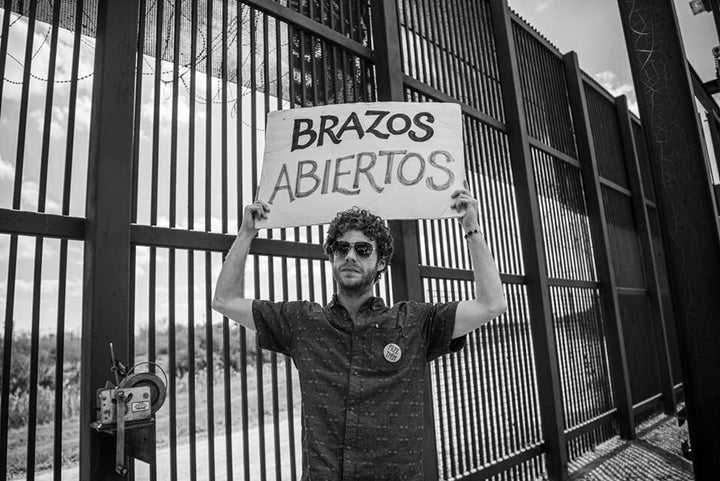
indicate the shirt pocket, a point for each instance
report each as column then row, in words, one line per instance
column 386, row 349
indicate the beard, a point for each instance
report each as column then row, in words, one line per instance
column 356, row 286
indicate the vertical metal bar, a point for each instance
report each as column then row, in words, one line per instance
column 599, row 232
column 209, row 342
column 209, row 366
column 289, row 384
column 648, row 257
column 152, row 274
column 24, row 98
column 549, row 391
column 209, row 360
column 253, row 147
column 48, row 107
column 244, row 407
column 172, row 358
column 106, row 261
column 7, row 353
column 139, row 65
column 274, row 384
column 159, row 21
column 4, row 45
column 253, row 100
column 34, row 350
column 70, row 143
column 191, row 253
column 239, row 108
column 227, row 398
column 191, row 364
column 59, row 356
column 172, row 341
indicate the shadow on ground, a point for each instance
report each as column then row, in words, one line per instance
column 656, row 454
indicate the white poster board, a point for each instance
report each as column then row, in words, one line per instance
column 398, row 160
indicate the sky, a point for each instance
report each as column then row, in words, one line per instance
column 590, row 27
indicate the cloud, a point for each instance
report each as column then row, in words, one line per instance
column 165, row 109
column 83, row 107
column 30, row 192
column 7, row 170
column 542, row 6
column 610, row 82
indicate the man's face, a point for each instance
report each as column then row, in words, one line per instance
column 353, row 272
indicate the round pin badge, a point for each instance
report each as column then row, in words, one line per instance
column 392, row 352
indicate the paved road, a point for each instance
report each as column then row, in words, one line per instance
column 203, row 473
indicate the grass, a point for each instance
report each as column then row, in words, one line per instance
column 45, row 435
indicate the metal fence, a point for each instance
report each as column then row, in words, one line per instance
column 585, row 350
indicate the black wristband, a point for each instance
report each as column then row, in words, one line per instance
column 474, row 231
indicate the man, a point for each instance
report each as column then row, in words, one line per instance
column 361, row 364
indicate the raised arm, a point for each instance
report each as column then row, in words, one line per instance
column 229, row 299
column 489, row 300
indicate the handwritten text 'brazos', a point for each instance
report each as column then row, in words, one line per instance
column 350, row 174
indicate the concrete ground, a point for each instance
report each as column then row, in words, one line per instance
column 656, row 454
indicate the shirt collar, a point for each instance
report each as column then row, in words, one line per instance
column 373, row 303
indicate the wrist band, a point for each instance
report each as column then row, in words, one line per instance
column 474, row 231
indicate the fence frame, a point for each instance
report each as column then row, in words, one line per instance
column 536, row 271
column 643, row 223
column 600, row 241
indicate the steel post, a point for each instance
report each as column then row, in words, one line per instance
column 106, row 294
column 687, row 215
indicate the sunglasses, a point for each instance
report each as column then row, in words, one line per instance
column 362, row 248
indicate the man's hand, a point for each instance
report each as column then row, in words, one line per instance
column 466, row 202
column 253, row 212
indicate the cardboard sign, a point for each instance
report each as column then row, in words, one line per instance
column 398, row 160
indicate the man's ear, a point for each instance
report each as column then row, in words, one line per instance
column 381, row 264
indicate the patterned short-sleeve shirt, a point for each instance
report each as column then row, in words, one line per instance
column 362, row 382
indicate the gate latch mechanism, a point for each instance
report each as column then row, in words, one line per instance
column 126, row 410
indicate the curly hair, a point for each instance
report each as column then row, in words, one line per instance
column 369, row 224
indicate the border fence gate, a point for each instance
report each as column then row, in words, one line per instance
column 179, row 91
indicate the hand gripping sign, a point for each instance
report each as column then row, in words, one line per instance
column 398, row 160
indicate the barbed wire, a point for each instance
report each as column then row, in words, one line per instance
column 206, row 48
